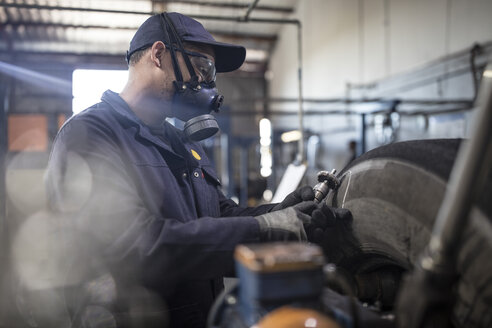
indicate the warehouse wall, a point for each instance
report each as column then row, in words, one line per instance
column 346, row 43
column 353, row 41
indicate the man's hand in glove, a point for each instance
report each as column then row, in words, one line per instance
column 299, row 195
column 286, row 224
column 331, row 228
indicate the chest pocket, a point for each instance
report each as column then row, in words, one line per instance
column 206, row 191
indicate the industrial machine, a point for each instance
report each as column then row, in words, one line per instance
column 395, row 194
column 419, row 249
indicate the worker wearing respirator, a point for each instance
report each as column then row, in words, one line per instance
column 154, row 208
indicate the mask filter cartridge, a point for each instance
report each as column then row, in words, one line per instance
column 201, row 127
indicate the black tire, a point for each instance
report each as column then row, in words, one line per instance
column 394, row 193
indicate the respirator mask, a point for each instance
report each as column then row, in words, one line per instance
column 193, row 101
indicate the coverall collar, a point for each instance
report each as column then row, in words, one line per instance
column 121, row 107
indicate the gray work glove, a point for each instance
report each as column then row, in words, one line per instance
column 286, row 224
column 299, row 195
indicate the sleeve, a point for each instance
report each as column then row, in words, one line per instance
column 229, row 208
column 87, row 182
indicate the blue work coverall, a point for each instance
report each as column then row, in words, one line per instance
column 148, row 204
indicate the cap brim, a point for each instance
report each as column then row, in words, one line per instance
column 228, row 57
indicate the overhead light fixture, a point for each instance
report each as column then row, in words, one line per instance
column 265, row 151
column 265, row 132
column 290, row 136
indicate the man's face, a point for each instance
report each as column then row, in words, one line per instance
column 202, row 59
column 202, row 52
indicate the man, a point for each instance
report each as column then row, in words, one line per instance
column 143, row 194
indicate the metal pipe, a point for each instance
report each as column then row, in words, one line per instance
column 473, row 68
column 4, row 96
column 363, row 138
column 243, row 174
column 466, row 181
column 251, row 7
column 301, row 156
column 306, row 112
column 446, row 75
column 239, row 19
column 427, row 81
column 355, row 101
column 345, row 112
column 286, row 10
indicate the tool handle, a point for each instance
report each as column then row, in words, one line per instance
column 321, row 189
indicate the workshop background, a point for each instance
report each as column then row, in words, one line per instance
column 363, row 73
column 372, row 72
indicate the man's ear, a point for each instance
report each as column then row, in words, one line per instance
column 156, row 52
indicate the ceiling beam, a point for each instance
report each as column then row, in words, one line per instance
column 259, row 38
column 64, row 26
column 45, row 7
column 199, row 3
column 7, row 55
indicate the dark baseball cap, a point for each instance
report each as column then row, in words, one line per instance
column 228, row 57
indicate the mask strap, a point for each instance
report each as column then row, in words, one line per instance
column 177, row 71
column 191, row 69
